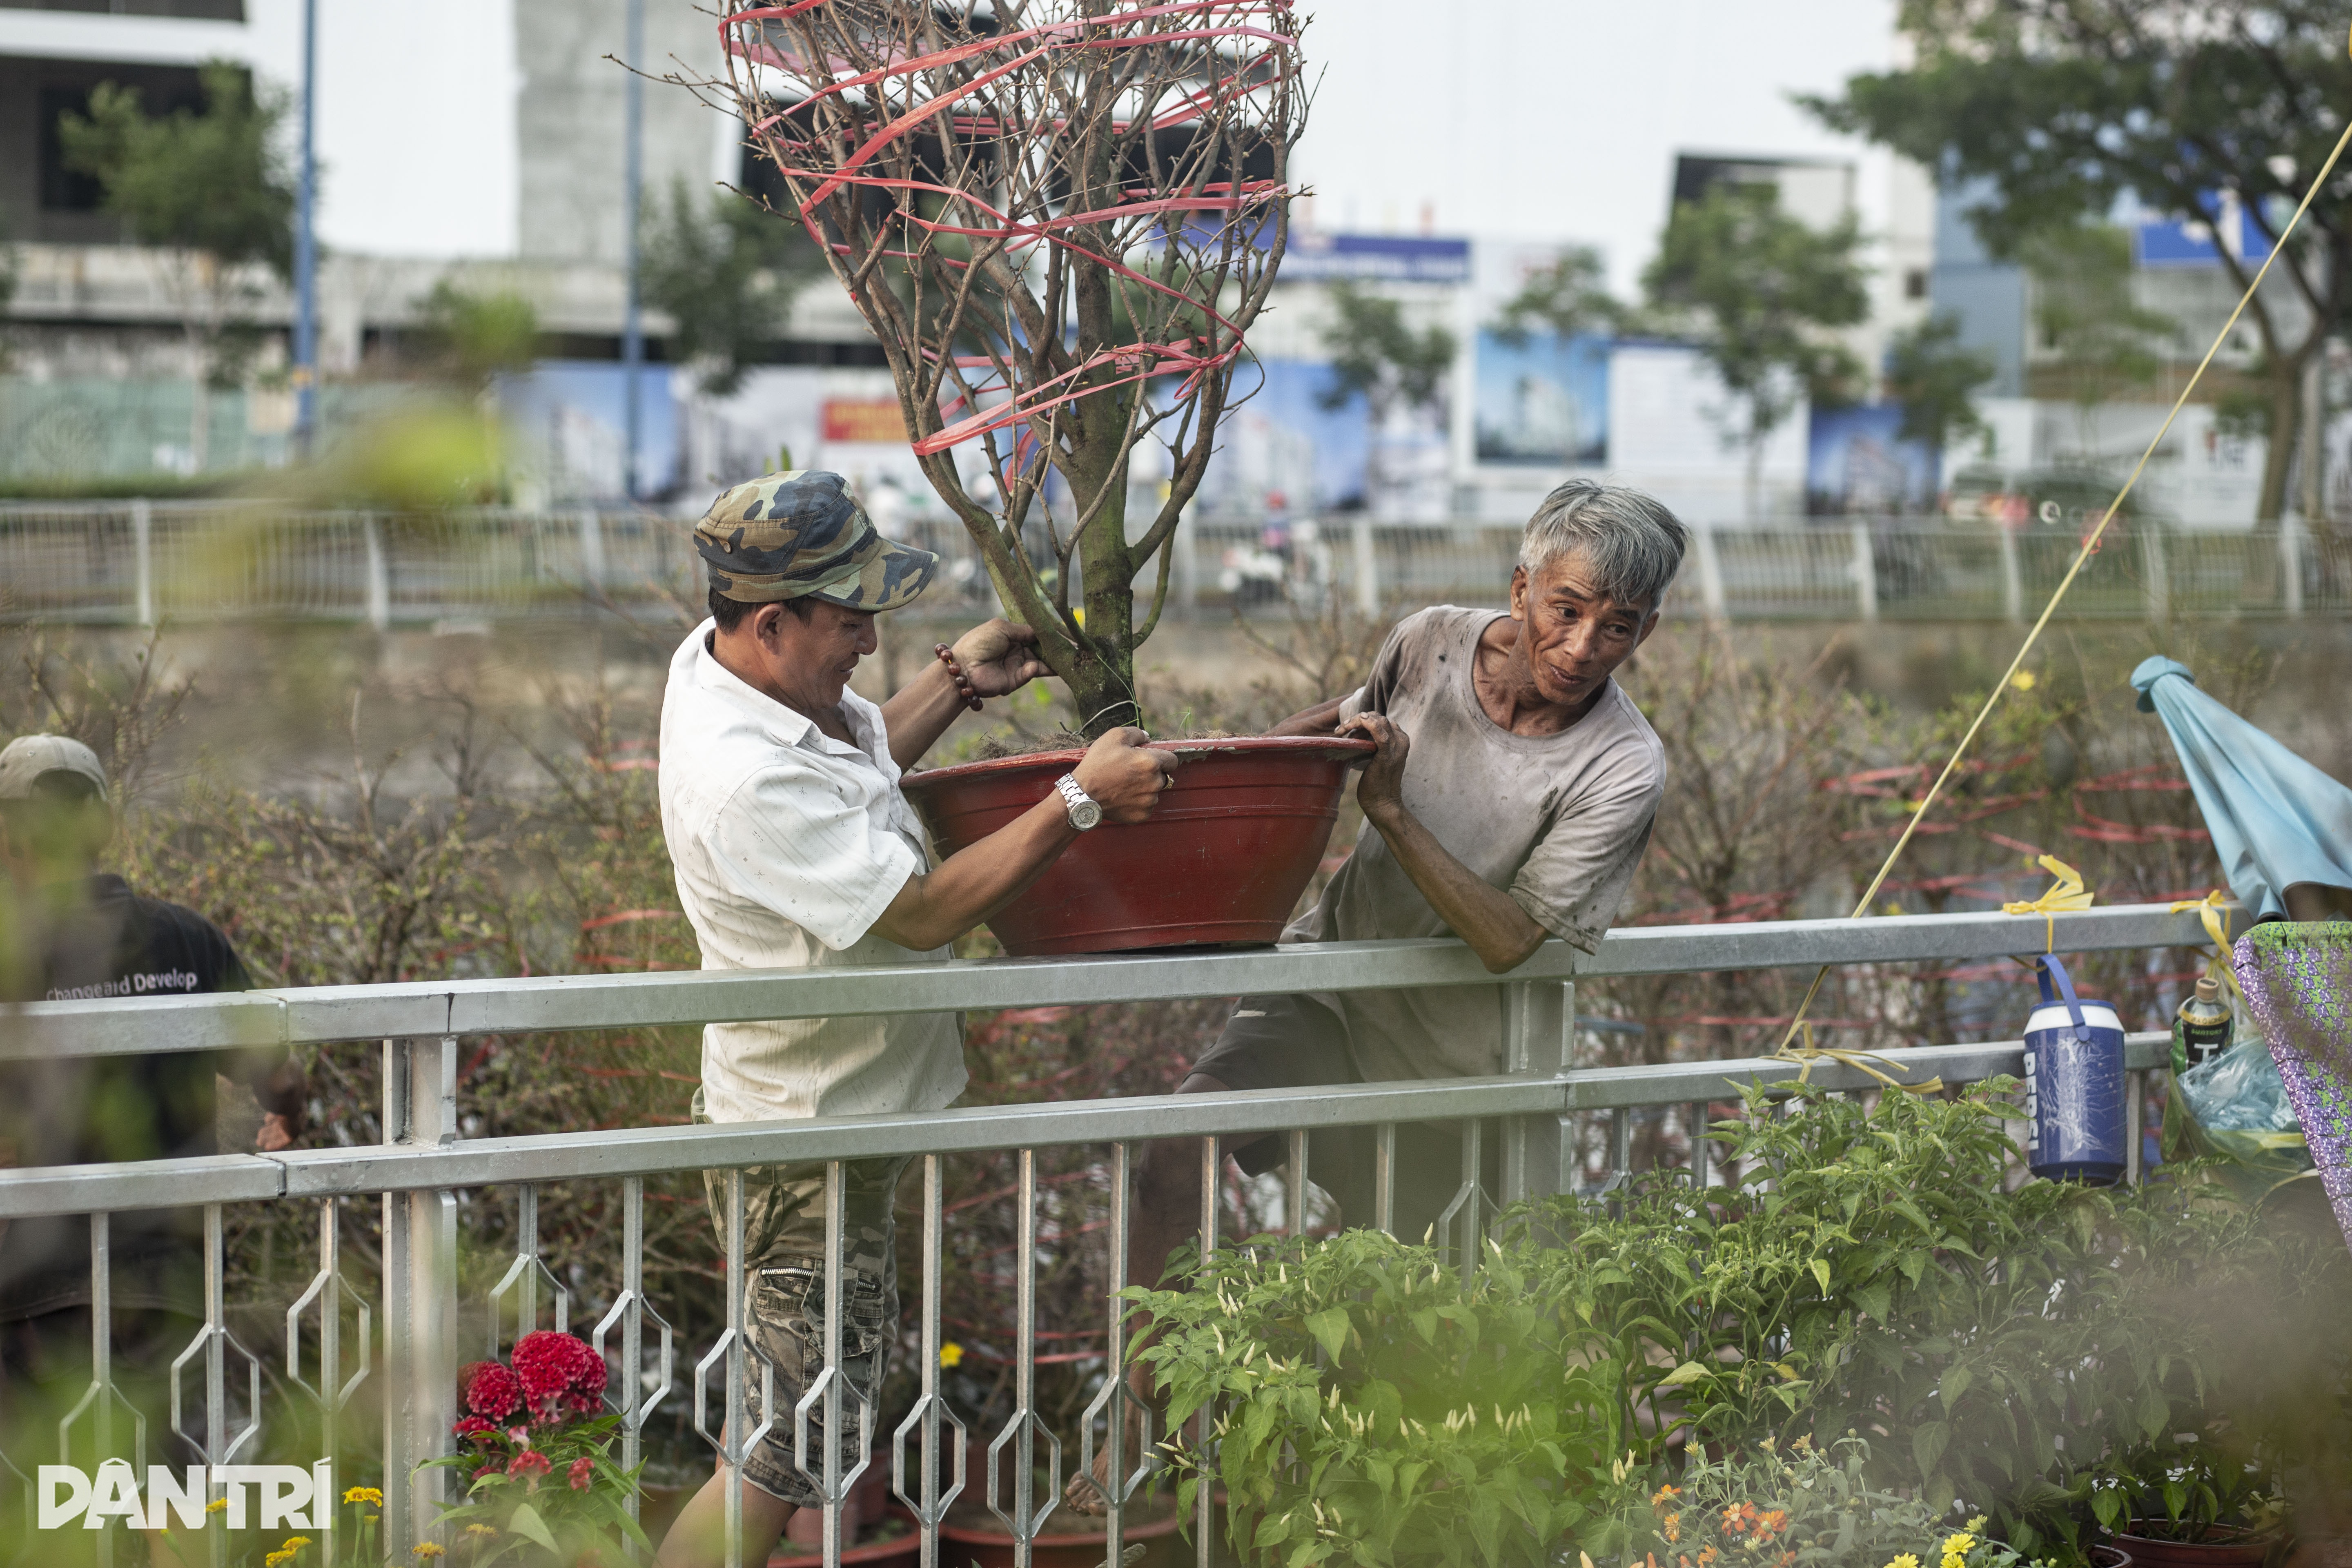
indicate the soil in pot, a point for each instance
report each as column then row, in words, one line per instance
column 976, row 1537
column 2225, row 1546
column 1233, row 843
column 2105, row 1556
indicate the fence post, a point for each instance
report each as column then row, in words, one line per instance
column 420, row 1295
column 143, row 543
column 1866, row 573
column 1539, row 1031
column 379, row 574
column 592, row 550
column 2151, row 556
column 1367, row 567
column 2012, row 577
column 2290, row 548
column 1710, row 572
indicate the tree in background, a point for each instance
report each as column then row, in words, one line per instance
column 473, row 337
column 727, row 273
column 2084, row 312
column 1935, row 379
column 210, row 190
column 2059, row 108
column 1762, row 294
column 1060, row 222
column 1377, row 354
column 1566, row 297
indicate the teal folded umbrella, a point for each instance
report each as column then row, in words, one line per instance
column 2276, row 820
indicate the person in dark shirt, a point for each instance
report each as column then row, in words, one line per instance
column 71, row 932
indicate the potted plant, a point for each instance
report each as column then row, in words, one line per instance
column 2186, row 1501
column 536, row 1455
column 1060, row 221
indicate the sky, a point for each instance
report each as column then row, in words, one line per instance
column 1560, row 119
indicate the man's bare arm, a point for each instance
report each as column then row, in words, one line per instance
column 1500, row 932
column 998, row 657
column 1323, row 718
column 934, row 908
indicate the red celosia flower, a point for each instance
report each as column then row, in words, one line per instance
column 530, row 1462
column 473, row 1427
column 558, row 1371
column 491, row 1390
column 581, row 1469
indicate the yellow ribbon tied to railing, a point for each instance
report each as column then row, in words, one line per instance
column 1808, row 1054
column 2066, row 896
column 2213, row 909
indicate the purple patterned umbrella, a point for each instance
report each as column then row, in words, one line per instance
column 2298, row 977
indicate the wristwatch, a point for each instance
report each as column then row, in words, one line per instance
column 1086, row 811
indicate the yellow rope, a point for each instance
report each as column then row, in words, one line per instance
column 2090, row 546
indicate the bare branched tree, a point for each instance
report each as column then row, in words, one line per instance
column 1059, row 218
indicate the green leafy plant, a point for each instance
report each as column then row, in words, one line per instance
column 1864, row 1268
column 1371, row 1406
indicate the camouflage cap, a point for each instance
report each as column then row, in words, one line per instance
column 802, row 535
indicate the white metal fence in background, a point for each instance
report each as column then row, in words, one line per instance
column 138, row 561
column 1537, row 1109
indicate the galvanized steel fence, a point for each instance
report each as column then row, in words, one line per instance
column 137, row 561
column 1541, row 1109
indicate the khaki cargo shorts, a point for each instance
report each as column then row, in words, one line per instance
column 783, row 1244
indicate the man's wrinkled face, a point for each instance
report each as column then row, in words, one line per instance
column 1574, row 634
column 815, row 653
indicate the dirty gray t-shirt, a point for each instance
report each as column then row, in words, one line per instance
column 1558, row 821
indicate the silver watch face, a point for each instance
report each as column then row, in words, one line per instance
column 1086, row 812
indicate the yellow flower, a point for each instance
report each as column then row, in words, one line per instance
column 951, row 1354
column 218, row 1505
column 1906, row 1561
column 1975, row 1526
column 481, row 1530
column 2022, row 680
column 430, row 1549
column 364, row 1494
column 275, row 1558
column 1960, row 1545
column 296, row 1542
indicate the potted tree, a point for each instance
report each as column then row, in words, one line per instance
column 1059, row 218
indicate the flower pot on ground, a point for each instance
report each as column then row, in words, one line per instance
column 1223, row 860
column 2223, row 1546
column 891, row 1540
column 2103, row 1555
column 973, row 1535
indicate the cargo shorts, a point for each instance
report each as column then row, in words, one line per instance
column 783, row 1265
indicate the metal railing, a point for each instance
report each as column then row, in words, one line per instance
column 1540, row 1104
column 137, row 561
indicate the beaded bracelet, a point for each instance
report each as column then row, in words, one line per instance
column 963, row 682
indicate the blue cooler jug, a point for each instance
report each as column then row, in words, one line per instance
column 2074, row 1085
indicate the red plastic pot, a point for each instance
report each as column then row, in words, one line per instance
column 982, row 1541
column 896, row 1552
column 1232, row 844
column 2225, row 1546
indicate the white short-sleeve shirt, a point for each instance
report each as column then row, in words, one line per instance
column 787, row 846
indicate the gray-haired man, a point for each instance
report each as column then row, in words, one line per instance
column 1510, row 801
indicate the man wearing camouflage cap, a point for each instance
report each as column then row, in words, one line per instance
column 792, row 849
